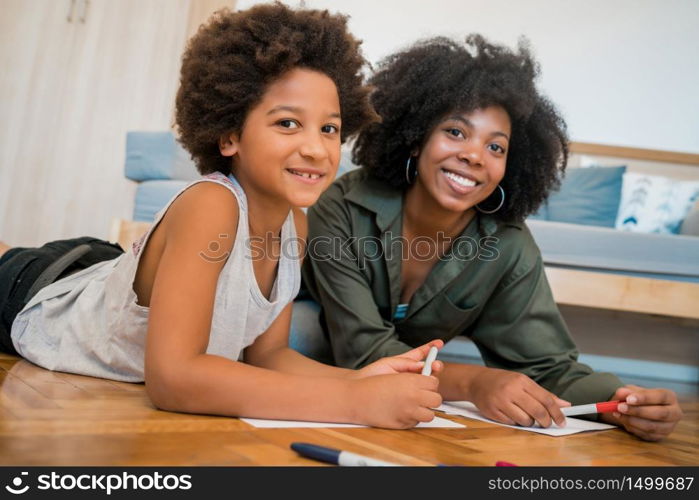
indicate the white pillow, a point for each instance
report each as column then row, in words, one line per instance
column 654, row 204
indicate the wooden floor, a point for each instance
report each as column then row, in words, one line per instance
column 50, row 418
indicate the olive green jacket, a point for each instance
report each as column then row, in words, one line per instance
column 491, row 287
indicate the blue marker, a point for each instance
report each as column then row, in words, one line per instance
column 337, row 457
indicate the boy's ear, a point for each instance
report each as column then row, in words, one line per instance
column 228, row 144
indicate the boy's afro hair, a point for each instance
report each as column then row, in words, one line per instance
column 231, row 60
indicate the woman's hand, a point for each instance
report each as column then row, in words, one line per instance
column 408, row 362
column 650, row 414
column 515, row 399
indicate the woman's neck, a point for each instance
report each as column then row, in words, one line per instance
column 423, row 216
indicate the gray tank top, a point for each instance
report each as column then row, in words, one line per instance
column 89, row 322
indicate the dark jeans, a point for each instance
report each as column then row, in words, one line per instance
column 20, row 267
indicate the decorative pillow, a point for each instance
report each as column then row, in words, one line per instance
column 587, row 196
column 157, row 156
column 655, row 204
column 690, row 225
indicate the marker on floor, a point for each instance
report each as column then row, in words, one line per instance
column 337, row 457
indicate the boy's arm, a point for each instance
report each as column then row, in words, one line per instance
column 180, row 376
column 271, row 350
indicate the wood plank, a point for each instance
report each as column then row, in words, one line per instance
column 115, row 424
column 147, row 449
column 635, row 153
column 125, row 426
column 16, row 394
column 46, row 382
column 98, row 386
column 624, row 293
column 125, row 232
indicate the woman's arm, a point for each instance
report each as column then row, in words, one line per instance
column 358, row 333
column 521, row 329
column 650, row 414
column 531, row 359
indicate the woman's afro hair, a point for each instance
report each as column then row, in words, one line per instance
column 418, row 87
column 235, row 56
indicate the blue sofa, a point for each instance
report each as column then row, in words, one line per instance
column 161, row 167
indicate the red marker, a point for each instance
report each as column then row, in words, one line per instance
column 605, row 407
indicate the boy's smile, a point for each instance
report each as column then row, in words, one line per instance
column 289, row 147
column 307, row 175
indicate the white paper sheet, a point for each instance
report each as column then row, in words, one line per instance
column 437, row 422
column 573, row 425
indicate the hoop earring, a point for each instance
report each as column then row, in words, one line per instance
column 407, row 171
column 502, row 202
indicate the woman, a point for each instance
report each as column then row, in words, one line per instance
column 427, row 240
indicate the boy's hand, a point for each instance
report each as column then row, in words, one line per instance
column 410, row 362
column 515, row 399
column 650, row 414
column 399, row 401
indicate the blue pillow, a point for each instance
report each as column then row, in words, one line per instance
column 589, row 195
column 152, row 196
column 157, row 156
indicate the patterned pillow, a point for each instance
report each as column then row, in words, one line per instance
column 654, row 204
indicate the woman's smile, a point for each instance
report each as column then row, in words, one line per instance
column 463, row 159
column 459, row 182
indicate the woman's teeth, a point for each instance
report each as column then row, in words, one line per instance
column 306, row 175
column 462, row 181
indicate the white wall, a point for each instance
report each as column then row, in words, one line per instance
column 623, row 72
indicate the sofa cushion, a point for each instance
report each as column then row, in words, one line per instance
column 587, row 196
column 664, row 256
column 655, row 204
column 690, row 224
column 157, row 156
column 151, row 196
